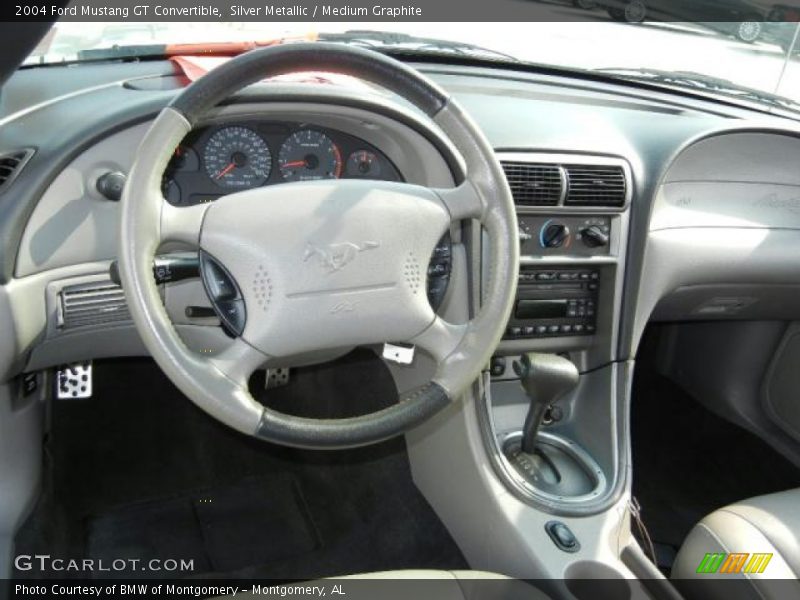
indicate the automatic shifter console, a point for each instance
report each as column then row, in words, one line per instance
column 546, row 379
column 544, row 464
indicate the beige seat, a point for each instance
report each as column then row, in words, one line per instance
column 428, row 585
column 767, row 525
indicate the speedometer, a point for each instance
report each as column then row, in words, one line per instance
column 237, row 158
column 309, row 154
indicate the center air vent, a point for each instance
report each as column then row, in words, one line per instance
column 534, row 184
column 11, row 164
column 595, row 185
column 88, row 304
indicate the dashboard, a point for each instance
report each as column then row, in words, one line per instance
column 236, row 155
column 633, row 206
column 705, row 226
column 56, row 229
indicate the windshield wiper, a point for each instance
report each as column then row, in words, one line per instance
column 706, row 83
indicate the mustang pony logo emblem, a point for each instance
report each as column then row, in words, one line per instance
column 343, row 306
column 335, row 256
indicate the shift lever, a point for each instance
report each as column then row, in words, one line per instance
column 546, row 379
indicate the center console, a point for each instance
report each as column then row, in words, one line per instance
column 573, row 213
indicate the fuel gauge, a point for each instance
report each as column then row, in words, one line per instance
column 363, row 163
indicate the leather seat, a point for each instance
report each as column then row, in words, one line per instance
column 429, row 584
column 763, row 525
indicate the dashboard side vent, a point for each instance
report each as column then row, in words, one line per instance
column 88, row 304
column 11, row 164
column 595, row 185
column 534, row 184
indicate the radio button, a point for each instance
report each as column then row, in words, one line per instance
column 566, row 328
column 578, row 328
column 553, row 329
column 545, row 276
column 528, row 330
column 541, row 329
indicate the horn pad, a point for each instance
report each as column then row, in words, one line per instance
column 327, row 264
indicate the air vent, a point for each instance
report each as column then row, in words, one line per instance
column 11, row 164
column 534, row 184
column 89, row 304
column 595, row 185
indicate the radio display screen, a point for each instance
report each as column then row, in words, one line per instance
column 541, row 309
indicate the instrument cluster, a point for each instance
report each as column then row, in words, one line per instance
column 218, row 160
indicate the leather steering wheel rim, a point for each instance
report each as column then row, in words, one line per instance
column 404, row 220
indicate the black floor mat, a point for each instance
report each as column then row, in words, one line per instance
column 687, row 461
column 219, row 529
column 138, row 455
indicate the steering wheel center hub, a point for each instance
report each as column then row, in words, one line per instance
column 321, row 264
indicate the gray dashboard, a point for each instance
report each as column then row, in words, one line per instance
column 736, row 168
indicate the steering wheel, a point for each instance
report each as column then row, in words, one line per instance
column 317, row 265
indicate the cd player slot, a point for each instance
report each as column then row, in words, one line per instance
column 555, row 302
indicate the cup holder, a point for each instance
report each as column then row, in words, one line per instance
column 592, row 580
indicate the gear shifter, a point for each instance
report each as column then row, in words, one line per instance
column 546, row 379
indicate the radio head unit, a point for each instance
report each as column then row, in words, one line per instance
column 554, row 302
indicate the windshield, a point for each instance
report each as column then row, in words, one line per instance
column 756, row 55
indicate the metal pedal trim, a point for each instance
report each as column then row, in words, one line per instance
column 74, row 381
column 276, row 377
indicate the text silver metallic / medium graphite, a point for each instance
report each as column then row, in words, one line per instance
column 324, row 10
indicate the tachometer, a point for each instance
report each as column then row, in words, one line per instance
column 237, row 158
column 309, row 154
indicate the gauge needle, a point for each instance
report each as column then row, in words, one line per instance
column 225, row 171
column 293, row 164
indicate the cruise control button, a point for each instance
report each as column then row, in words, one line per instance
column 220, row 285
column 438, row 269
column 233, row 314
column 442, row 251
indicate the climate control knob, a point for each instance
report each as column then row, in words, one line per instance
column 554, row 234
column 594, row 237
